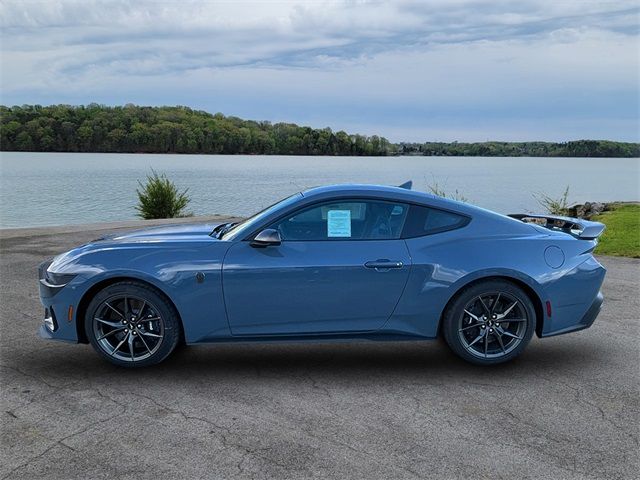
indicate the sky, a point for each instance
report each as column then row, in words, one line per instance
column 442, row 70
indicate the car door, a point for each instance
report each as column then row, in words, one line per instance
column 341, row 267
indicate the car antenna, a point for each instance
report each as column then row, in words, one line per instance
column 406, row 185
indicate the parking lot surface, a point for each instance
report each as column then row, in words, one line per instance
column 567, row 408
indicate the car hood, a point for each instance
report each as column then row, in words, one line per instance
column 88, row 258
column 187, row 232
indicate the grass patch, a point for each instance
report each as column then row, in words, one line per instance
column 622, row 236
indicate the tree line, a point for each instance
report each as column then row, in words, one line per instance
column 134, row 129
column 577, row 148
column 137, row 129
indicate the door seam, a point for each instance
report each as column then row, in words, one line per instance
column 406, row 282
column 224, row 297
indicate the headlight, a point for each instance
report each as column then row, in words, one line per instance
column 58, row 279
column 51, row 279
column 50, row 282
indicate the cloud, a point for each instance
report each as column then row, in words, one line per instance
column 471, row 65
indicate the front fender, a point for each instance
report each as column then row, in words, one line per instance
column 191, row 278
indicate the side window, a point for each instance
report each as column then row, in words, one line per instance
column 427, row 221
column 344, row 220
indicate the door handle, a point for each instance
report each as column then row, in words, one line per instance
column 383, row 264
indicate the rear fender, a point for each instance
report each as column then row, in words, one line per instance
column 421, row 308
column 532, row 288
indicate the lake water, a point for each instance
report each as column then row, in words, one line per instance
column 40, row 189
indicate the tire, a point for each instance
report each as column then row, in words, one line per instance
column 131, row 324
column 485, row 334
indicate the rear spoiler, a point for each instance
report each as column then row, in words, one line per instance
column 578, row 227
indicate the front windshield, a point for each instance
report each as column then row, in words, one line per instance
column 244, row 227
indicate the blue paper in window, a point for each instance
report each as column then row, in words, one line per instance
column 339, row 223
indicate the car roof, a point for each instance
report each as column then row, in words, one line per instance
column 402, row 194
column 355, row 188
column 384, row 191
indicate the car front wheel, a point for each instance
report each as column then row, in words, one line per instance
column 132, row 324
column 489, row 322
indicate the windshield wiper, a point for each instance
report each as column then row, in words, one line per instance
column 221, row 229
column 218, row 229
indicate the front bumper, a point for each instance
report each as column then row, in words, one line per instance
column 50, row 322
column 60, row 301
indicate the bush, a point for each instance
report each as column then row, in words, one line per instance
column 160, row 198
column 436, row 189
column 555, row 206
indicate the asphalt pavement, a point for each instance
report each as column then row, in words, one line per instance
column 567, row 408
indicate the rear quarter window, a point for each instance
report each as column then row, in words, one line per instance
column 427, row 221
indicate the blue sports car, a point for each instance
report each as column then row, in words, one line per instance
column 344, row 262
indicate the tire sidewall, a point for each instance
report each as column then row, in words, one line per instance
column 456, row 307
column 172, row 330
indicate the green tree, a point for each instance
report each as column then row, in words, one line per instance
column 24, row 142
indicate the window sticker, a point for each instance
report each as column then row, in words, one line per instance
column 357, row 209
column 339, row 223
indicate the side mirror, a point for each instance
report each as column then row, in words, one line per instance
column 265, row 238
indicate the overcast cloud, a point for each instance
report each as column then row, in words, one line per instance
column 409, row 70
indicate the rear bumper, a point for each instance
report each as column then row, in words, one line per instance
column 585, row 322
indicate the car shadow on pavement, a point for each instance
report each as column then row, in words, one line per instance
column 364, row 358
column 357, row 362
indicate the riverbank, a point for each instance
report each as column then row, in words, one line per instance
column 7, row 233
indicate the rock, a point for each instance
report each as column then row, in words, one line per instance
column 571, row 211
column 597, row 208
column 581, row 210
column 586, row 210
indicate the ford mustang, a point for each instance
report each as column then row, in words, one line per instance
column 343, row 262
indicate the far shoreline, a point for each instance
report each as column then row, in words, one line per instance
column 395, row 155
column 182, row 130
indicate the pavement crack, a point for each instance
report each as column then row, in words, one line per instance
column 184, row 415
column 61, row 442
column 29, row 375
column 581, row 399
column 316, row 385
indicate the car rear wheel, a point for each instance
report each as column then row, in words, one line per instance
column 490, row 322
column 132, row 324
